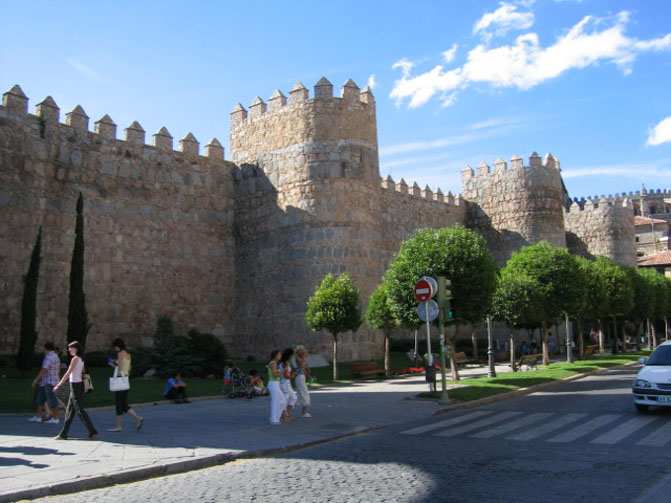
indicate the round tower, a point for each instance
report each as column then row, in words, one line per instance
column 516, row 206
column 307, row 192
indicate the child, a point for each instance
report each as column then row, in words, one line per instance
column 257, row 383
column 227, row 378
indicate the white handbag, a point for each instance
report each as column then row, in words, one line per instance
column 117, row 382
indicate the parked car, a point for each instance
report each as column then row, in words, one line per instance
column 652, row 385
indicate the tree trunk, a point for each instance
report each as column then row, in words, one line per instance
column 601, row 348
column 666, row 328
column 386, row 353
column 453, row 363
column 513, row 364
column 474, row 341
column 335, row 357
column 653, row 331
column 544, row 338
column 624, row 337
column 581, row 339
column 615, row 348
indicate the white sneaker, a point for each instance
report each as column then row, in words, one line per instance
column 53, row 420
column 35, row 419
column 307, row 414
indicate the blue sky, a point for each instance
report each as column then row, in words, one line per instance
column 455, row 82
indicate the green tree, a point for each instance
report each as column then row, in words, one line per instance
column 643, row 299
column 28, row 337
column 379, row 315
column 657, row 286
column 594, row 297
column 78, row 321
column 458, row 254
column 557, row 275
column 335, row 307
column 515, row 302
column 619, row 293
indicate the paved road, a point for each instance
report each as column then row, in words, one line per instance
column 582, row 441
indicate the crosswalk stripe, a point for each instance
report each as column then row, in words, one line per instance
column 623, row 430
column 546, row 428
column 585, row 428
column 478, row 424
column 658, row 438
column 512, row 425
column 446, row 423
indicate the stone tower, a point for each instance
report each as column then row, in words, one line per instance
column 307, row 204
column 516, row 206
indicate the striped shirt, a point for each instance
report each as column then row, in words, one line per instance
column 52, row 363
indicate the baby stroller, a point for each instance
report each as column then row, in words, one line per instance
column 241, row 385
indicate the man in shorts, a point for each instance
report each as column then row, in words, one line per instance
column 47, row 377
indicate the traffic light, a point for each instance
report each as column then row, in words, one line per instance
column 444, row 296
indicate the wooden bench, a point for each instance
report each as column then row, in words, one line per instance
column 360, row 370
column 529, row 361
column 590, row 350
column 462, row 359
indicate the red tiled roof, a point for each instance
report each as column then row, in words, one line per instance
column 638, row 220
column 662, row 258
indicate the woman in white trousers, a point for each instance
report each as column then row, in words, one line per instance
column 277, row 401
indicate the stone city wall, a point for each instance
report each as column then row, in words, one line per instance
column 157, row 226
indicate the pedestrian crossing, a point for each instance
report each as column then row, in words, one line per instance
column 558, row 428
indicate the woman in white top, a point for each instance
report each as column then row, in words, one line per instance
column 76, row 400
column 285, row 381
column 302, row 375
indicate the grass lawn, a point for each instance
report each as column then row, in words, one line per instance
column 482, row 387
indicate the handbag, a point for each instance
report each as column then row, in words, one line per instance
column 117, row 382
column 88, row 383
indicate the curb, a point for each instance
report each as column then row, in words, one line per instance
column 145, row 473
column 525, row 391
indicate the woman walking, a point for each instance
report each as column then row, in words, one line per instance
column 302, row 374
column 285, row 381
column 277, row 400
column 121, row 397
column 76, row 400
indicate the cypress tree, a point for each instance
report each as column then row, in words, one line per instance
column 78, row 323
column 24, row 359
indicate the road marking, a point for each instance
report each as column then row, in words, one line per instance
column 478, row 424
column 446, row 423
column 658, row 438
column 624, row 430
column 513, row 425
column 546, row 428
column 585, row 428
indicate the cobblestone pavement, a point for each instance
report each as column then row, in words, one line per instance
column 411, row 463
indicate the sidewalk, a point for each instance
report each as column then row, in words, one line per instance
column 177, row 438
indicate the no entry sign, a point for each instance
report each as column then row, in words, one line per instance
column 425, row 288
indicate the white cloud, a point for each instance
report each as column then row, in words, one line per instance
column 503, row 19
column 661, row 133
column 525, row 64
column 371, row 82
column 633, row 170
column 85, row 70
column 448, row 55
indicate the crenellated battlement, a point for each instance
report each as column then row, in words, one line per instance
column 437, row 196
column 47, row 118
column 548, row 162
column 601, row 203
column 287, row 123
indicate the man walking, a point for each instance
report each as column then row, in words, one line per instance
column 47, row 378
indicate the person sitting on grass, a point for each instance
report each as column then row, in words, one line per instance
column 257, row 383
column 175, row 389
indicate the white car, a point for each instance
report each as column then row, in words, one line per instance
column 652, row 385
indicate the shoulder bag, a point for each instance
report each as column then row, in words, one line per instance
column 117, row 382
